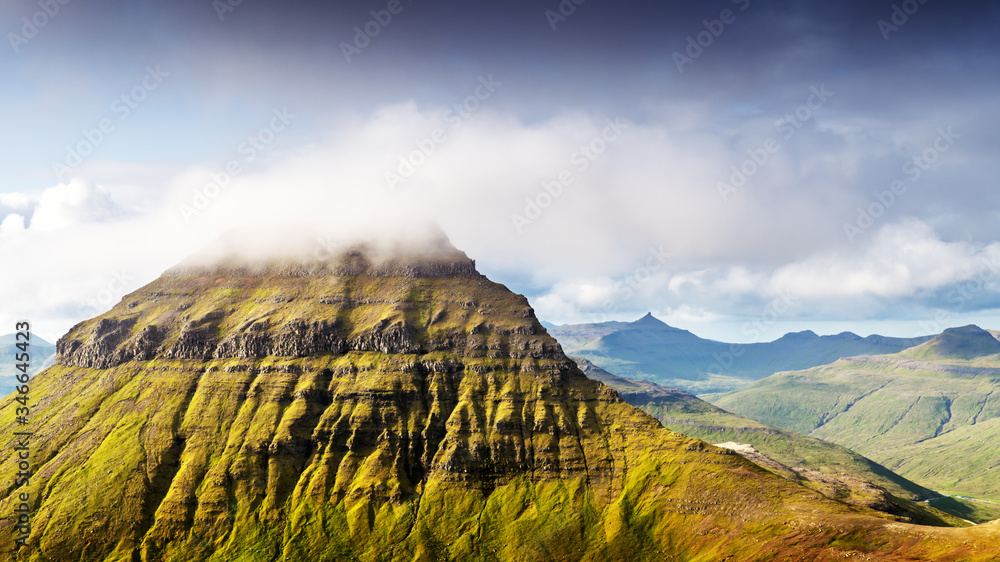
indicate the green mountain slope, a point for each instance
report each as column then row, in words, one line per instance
column 384, row 406
column 687, row 414
column 649, row 349
column 929, row 413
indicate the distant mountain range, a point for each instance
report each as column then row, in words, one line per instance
column 649, row 349
column 42, row 354
column 930, row 413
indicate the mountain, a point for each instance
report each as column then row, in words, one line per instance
column 649, row 349
column 829, row 468
column 383, row 403
column 41, row 356
column 930, row 413
column 967, row 342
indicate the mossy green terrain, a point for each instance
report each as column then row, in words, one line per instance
column 929, row 416
column 400, row 410
column 833, row 470
column 685, row 413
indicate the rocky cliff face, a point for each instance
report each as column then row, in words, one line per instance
column 374, row 409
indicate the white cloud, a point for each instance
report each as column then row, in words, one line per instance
column 72, row 204
column 685, row 315
column 903, row 259
column 652, row 188
column 12, row 225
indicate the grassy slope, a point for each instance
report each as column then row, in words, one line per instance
column 227, row 498
column 931, row 419
column 687, row 414
column 694, row 417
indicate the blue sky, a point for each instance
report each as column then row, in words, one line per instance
column 739, row 168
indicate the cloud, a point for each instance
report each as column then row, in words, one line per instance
column 685, row 315
column 75, row 203
column 12, row 225
column 904, row 259
column 61, row 207
column 622, row 216
column 905, row 270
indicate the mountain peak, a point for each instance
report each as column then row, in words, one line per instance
column 803, row 335
column 963, row 342
column 649, row 318
column 848, row 336
column 650, row 321
column 970, row 329
column 301, row 296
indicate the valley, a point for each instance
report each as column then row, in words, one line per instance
column 930, row 413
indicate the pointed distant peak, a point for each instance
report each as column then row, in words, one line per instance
column 650, row 321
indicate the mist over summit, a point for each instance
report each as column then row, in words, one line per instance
column 277, row 244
